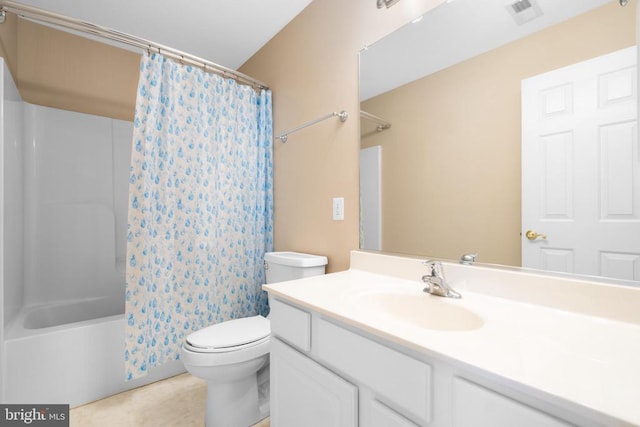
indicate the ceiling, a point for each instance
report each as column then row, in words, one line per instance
column 451, row 33
column 227, row 32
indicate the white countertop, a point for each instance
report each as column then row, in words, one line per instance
column 588, row 360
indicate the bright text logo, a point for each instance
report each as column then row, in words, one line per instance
column 36, row 415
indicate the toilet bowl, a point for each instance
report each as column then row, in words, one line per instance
column 233, row 356
column 229, row 356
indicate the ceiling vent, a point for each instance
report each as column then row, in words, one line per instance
column 523, row 11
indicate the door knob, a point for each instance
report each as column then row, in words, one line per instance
column 532, row 235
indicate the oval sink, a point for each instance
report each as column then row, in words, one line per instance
column 423, row 310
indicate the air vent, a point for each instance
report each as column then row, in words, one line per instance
column 523, row 11
column 521, row 6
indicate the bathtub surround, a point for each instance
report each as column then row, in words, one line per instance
column 200, row 208
column 11, row 211
column 75, row 206
column 64, row 198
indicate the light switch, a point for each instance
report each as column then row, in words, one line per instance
column 338, row 208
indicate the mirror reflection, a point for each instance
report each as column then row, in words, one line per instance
column 511, row 135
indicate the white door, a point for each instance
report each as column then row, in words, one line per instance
column 580, row 168
column 371, row 198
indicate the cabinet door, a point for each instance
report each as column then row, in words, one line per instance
column 476, row 406
column 303, row 393
column 383, row 416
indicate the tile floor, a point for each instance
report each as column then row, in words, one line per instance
column 177, row 401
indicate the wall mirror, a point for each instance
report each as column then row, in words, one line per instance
column 506, row 129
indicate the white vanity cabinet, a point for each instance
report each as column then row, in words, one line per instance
column 518, row 349
column 325, row 373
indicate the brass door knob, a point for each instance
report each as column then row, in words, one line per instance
column 532, row 235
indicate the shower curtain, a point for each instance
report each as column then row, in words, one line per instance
column 200, row 212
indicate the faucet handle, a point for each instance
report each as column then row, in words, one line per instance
column 469, row 258
column 430, row 264
column 435, row 268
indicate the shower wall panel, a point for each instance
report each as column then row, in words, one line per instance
column 76, row 184
column 11, row 208
column 12, row 162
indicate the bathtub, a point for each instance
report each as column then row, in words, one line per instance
column 70, row 353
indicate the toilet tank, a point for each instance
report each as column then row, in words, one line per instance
column 282, row 266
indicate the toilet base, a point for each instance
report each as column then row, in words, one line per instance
column 238, row 403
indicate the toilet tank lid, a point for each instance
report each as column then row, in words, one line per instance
column 295, row 259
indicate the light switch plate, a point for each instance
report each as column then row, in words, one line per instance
column 338, row 208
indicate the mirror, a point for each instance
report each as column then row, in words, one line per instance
column 446, row 178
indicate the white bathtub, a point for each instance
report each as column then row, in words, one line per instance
column 70, row 353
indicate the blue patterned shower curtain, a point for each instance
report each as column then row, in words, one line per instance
column 200, row 208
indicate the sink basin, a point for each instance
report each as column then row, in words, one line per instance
column 423, row 310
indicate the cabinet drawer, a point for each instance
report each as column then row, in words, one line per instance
column 476, row 406
column 398, row 380
column 291, row 324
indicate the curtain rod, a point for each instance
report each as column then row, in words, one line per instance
column 110, row 34
column 343, row 115
column 382, row 124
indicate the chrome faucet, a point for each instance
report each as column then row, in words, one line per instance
column 437, row 282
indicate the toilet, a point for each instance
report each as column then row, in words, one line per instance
column 233, row 356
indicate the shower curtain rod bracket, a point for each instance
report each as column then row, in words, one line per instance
column 381, row 124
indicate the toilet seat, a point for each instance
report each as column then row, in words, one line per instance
column 232, row 335
column 196, row 349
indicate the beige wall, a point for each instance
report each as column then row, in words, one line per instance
column 312, row 67
column 451, row 160
column 61, row 70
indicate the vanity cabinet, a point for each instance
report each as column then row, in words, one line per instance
column 325, row 373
